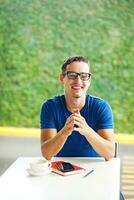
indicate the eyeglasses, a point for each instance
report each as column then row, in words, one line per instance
column 73, row 75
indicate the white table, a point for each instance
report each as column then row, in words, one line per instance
column 102, row 184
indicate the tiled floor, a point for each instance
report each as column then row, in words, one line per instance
column 126, row 153
column 127, row 177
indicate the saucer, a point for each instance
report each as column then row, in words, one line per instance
column 33, row 173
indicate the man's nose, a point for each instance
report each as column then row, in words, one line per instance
column 78, row 78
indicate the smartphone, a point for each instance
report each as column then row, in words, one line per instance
column 65, row 167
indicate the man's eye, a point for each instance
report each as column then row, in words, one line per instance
column 72, row 75
column 84, row 75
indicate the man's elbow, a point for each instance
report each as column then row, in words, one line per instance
column 109, row 156
column 45, row 154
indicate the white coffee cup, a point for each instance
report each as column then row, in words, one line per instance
column 40, row 165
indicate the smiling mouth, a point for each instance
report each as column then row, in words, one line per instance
column 76, row 87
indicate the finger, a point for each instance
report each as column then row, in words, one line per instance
column 78, row 115
column 78, row 129
column 79, row 119
column 69, row 119
column 70, row 122
column 78, row 124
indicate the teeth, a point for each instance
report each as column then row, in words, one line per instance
column 77, row 87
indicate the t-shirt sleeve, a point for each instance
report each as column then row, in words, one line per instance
column 104, row 116
column 47, row 116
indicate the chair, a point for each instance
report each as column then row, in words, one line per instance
column 115, row 155
column 121, row 196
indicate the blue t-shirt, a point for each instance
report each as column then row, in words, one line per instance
column 97, row 113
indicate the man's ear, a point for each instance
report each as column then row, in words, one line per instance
column 61, row 77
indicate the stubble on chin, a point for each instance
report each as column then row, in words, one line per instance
column 77, row 96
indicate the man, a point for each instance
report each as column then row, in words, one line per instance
column 76, row 124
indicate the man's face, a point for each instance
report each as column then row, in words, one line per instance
column 76, row 87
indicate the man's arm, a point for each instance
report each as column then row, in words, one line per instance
column 52, row 142
column 103, row 141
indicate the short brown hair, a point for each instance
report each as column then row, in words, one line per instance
column 71, row 60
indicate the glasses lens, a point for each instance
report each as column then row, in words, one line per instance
column 84, row 76
column 72, row 75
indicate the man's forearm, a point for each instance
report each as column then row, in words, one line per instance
column 52, row 146
column 103, row 146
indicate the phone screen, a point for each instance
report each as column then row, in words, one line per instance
column 65, row 167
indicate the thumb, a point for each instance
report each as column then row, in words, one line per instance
column 76, row 110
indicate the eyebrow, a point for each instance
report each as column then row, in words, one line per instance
column 78, row 72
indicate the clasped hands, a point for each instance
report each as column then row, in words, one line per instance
column 76, row 123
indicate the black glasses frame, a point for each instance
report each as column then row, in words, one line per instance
column 73, row 75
